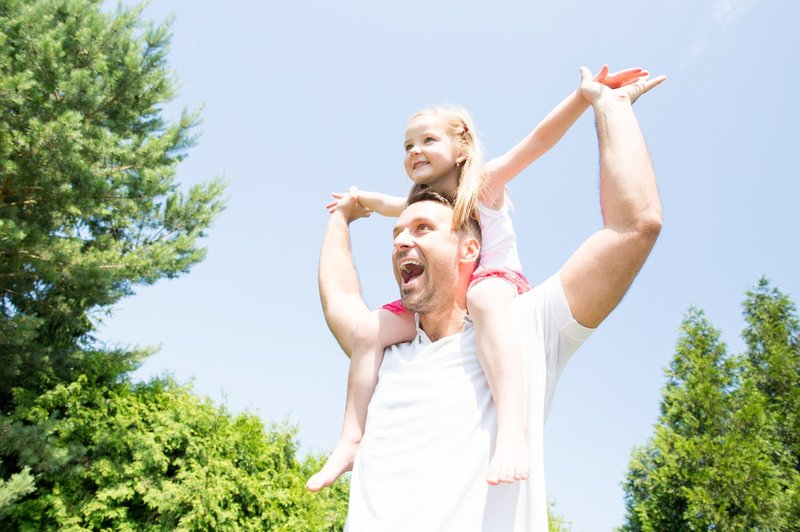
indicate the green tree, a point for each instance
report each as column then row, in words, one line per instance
column 772, row 337
column 555, row 521
column 715, row 461
column 19, row 485
column 89, row 207
column 154, row 456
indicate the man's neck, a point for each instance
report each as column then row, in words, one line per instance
column 444, row 322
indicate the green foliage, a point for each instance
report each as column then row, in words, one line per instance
column 555, row 521
column 153, row 456
column 89, row 209
column 88, row 203
column 721, row 457
column 773, row 349
column 19, row 485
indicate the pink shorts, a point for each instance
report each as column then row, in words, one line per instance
column 516, row 279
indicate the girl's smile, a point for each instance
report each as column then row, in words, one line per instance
column 431, row 154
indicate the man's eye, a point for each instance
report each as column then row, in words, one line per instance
column 424, row 227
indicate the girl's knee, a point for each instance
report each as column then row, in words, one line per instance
column 383, row 328
column 477, row 301
column 365, row 333
column 488, row 294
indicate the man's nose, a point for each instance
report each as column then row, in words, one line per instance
column 402, row 240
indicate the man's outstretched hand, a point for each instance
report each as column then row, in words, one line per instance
column 630, row 83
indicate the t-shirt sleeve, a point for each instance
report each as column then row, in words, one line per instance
column 545, row 315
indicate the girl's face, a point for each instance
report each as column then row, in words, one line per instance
column 432, row 154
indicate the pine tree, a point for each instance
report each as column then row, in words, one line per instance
column 19, row 485
column 772, row 337
column 89, row 207
column 710, row 464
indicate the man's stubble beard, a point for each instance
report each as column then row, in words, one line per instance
column 426, row 298
column 419, row 302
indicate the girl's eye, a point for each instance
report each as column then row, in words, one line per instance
column 408, row 147
column 429, row 139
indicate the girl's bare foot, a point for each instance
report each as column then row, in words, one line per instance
column 510, row 460
column 340, row 461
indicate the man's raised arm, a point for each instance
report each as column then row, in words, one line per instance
column 339, row 289
column 599, row 273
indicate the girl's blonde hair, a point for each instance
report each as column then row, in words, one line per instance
column 471, row 180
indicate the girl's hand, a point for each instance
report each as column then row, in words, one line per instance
column 332, row 205
column 347, row 203
column 620, row 79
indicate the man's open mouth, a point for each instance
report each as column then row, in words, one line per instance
column 410, row 270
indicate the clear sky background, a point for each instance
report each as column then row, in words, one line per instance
column 302, row 98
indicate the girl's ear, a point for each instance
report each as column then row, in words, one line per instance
column 460, row 159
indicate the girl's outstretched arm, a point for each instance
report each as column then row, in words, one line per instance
column 544, row 136
column 383, row 204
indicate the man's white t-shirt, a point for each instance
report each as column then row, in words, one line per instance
column 431, row 423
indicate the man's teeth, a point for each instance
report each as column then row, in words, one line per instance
column 410, row 267
column 411, row 270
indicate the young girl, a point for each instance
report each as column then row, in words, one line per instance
column 443, row 153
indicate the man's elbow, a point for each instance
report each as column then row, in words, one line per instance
column 648, row 226
column 642, row 223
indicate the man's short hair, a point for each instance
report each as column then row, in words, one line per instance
column 419, row 193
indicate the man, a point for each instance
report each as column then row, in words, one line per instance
column 431, row 420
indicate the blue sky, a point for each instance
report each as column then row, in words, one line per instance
column 304, row 98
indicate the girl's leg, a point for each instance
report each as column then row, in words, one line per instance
column 500, row 355
column 370, row 337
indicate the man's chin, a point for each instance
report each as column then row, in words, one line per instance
column 411, row 300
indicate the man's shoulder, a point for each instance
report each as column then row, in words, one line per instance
column 545, row 308
column 540, row 296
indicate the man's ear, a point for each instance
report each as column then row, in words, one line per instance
column 470, row 249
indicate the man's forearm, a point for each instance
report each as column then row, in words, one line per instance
column 339, row 288
column 628, row 193
column 602, row 269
